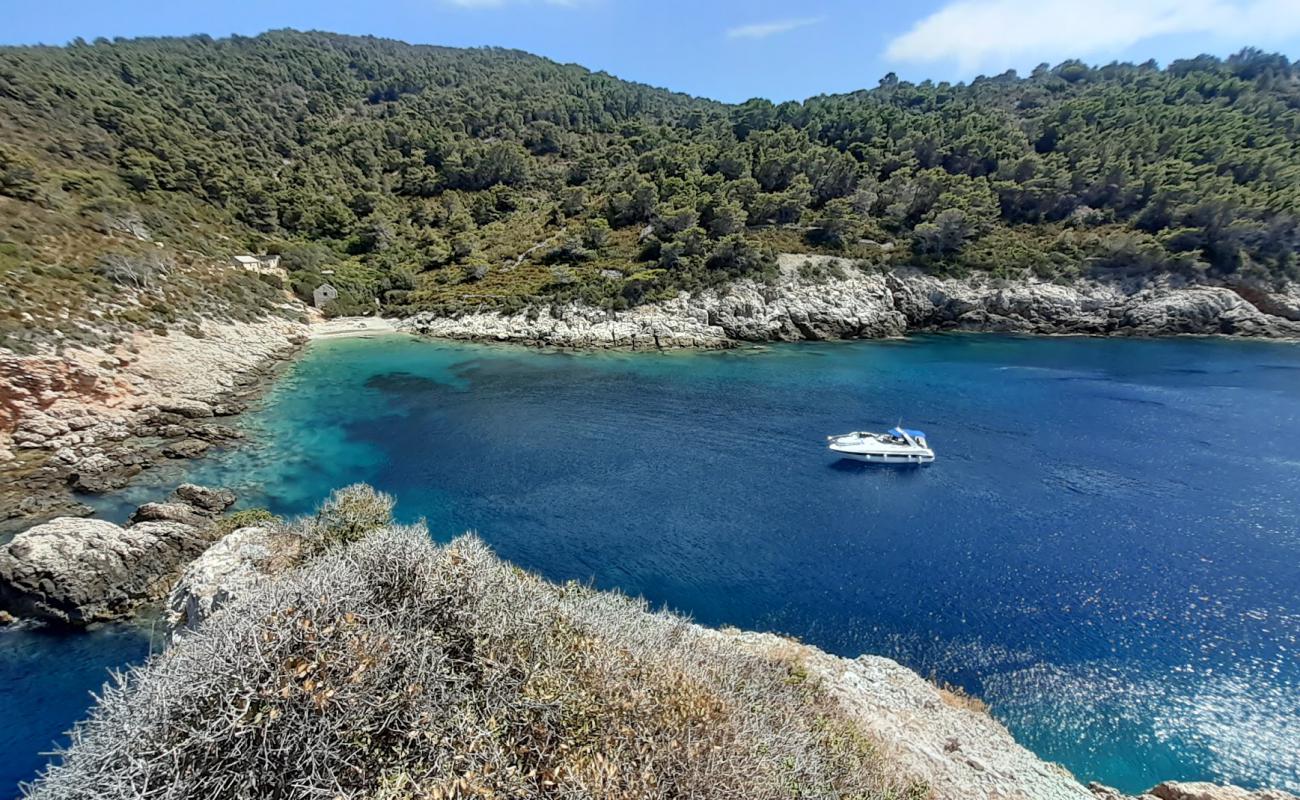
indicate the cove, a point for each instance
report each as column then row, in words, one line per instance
column 1106, row 549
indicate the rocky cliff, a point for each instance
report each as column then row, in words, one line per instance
column 821, row 297
column 90, row 419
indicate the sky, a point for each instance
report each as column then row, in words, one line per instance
column 731, row 51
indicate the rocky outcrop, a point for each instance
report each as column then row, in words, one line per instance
column 1279, row 301
column 256, row 579
column 578, row 326
column 169, row 512
column 225, row 570
column 1176, row 790
column 821, row 298
column 959, row 752
column 921, row 730
column 76, row 571
column 90, row 420
column 207, row 499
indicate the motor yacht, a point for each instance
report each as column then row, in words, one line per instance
column 895, row 446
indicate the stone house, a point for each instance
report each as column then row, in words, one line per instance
column 264, row 264
column 324, row 294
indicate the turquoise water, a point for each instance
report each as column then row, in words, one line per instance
column 1106, row 549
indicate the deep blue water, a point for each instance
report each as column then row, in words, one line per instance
column 1107, row 549
column 46, row 680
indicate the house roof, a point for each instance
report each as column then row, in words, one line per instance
column 247, row 259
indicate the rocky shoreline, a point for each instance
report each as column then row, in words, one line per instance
column 74, row 572
column 818, row 298
column 88, row 421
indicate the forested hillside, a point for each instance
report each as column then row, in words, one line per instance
column 435, row 178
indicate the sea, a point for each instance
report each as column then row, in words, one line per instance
column 1106, row 549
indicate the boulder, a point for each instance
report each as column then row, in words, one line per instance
column 186, row 448
column 213, row 500
column 77, row 571
column 1176, row 790
column 190, row 409
column 190, row 504
column 216, row 433
column 183, row 513
column 221, row 573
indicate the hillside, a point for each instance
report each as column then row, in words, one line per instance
column 444, row 180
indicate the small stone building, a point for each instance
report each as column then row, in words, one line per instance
column 324, row 294
column 263, row 264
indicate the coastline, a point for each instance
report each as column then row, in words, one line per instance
column 944, row 743
column 352, row 327
column 88, row 421
column 823, row 298
column 917, row 726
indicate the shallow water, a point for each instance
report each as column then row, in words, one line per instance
column 1106, row 549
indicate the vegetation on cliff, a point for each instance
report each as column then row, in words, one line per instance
column 374, row 663
column 443, row 179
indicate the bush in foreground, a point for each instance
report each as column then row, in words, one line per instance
column 385, row 666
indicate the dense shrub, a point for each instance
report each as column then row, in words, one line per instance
column 351, row 513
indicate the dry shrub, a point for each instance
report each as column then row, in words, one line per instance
column 389, row 667
column 244, row 518
column 352, row 512
column 347, row 515
column 143, row 271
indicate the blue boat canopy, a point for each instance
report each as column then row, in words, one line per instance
column 909, row 432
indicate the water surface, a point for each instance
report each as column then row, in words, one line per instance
column 1106, row 549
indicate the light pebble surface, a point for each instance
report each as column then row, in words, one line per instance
column 344, row 327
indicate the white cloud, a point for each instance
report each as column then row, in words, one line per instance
column 1001, row 33
column 762, row 30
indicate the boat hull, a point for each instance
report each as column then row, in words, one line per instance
column 898, row 459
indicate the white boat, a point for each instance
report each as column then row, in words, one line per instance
column 896, row 446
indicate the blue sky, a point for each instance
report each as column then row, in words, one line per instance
column 780, row 49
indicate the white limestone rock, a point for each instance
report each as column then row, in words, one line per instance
column 76, row 571
column 1176, row 790
column 848, row 303
column 222, row 572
